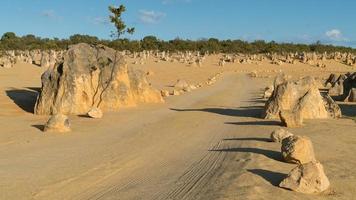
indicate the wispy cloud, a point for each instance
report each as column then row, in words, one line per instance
column 335, row 35
column 151, row 17
column 332, row 37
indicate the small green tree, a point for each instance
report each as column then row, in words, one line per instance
column 116, row 19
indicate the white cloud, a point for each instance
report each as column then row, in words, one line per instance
column 151, row 17
column 335, row 35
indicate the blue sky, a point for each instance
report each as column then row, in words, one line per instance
column 302, row 21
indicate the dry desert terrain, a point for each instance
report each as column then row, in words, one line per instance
column 210, row 143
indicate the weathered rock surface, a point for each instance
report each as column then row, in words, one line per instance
column 92, row 76
column 300, row 97
column 95, row 113
column 181, row 84
column 342, row 87
column 279, row 135
column 6, row 62
column 253, row 74
column 331, row 80
column 193, row 87
column 57, row 123
column 175, row 93
column 297, row 149
column 308, row 178
column 268, row 91
column 164, row 93
column 332, row 108
column 280, row 78
column 291, row 119
column 311, row 105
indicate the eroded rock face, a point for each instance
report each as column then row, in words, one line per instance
column 350, row 88
column 280, row 78
column 175, row 93
column 342, row 87
column 297, row 149
column 92, row 76
column 300, row 97
column 57, row 123
column 164, row 93
column 95, row 113
column 268, row 92
column 291, row 119
column 45, row 60
column 307, row 178
column 332, row 79
column 253, row 74
column 181, row 84
column 311, row 105
column 279, row 135
column 331, row 106
column 7, row 62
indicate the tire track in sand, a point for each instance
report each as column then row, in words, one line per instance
column 193, row 180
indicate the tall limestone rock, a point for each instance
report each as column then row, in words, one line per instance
column 92, row 77
column 302, row 98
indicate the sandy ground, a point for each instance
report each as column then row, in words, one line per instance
column 207, row 144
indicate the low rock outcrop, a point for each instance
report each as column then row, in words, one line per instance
column 342, row 87
column 6, row 62
column 268, row 92
column 181, row 84
column 308, row 178
column 57, row 123
column 92, row 76
column 164, row 93
column 95, row 113
column 279, row 135
column 297, row 149
column 301, row 97
column 331, row 107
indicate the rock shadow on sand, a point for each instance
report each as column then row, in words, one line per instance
column 275, row 155
column 274, row 178
column 39, row 127
column 249, row 139
column 258, row 123
column 25, row 99
column 348, row 110
column 254, row 111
